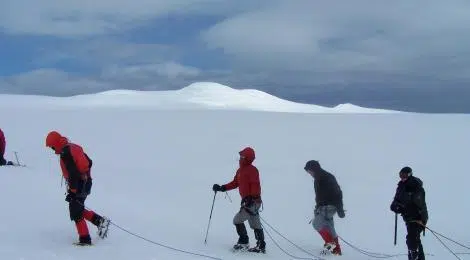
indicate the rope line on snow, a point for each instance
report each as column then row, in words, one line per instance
column 287, row 253
column 436, row 234
column 156, row 243
column 370, row 254
column 364, row 252
column 298, row 247
column 460, row 244
column 383, row 256
column 445, row 245
column 373, row 254
column 162, row 245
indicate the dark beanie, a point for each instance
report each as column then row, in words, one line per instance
column 406, row 170
column 312, row 165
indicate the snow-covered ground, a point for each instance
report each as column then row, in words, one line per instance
column 154, row 168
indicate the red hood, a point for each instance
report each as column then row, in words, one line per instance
column 56, row 141
column 247, row 156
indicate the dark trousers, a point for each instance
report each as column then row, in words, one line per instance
column 76, row 208
column 77, row 205
column 413, row 241
column 2, row 160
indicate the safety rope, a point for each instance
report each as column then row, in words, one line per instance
column 436, row 234
column 162, row 245
column 288, row 240
column 460, row 244
column 370, row 254
column 287, row 253
column 445, row 245
column 156, row 243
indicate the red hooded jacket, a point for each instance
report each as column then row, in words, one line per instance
column 247, row 176
column 74, row 162
column 2, row 144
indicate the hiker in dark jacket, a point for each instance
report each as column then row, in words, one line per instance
column 410, row 202
column 329, row 201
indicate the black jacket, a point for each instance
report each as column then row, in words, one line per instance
column 410, row 200
column 75, row 181
column 327, row 189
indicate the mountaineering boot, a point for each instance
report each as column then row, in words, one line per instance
column 103, row 227
column 5, row 162
column 260, row 243
column 102, row 223
column 417, row 254
column 243, row 241
column 330, row 243
column 84, row 241
column 337, row 249
column 413, row 255
column 328, row 248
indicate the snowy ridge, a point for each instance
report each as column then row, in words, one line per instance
column 200, row 95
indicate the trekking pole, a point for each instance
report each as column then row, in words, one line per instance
column 395, row 240
column 210, row 217
column 16, row 156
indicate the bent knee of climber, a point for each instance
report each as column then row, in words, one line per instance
column 76, row 216
column 239, row 218
column 318, row 224
column 76, row 212
column 255, row 223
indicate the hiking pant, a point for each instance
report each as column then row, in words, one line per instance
column 251, row 214
column 79, row 214
column 323, row 219
column 413, row 241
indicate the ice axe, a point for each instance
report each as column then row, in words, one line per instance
column 395, row 238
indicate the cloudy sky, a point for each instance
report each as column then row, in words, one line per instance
column 403, row 54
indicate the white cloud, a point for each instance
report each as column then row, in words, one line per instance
column 272, row 42
column 100, row 52
column 345, row 35
column 50, row 81
column 166, row 75
column 170, row 70
column 70, row 18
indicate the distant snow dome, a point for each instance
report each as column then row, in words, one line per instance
column 198, row 95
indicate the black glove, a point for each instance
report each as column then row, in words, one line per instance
column 70, row 196
column 340, row 212
column 396, row 207
column 217, row 187
column 247, row 201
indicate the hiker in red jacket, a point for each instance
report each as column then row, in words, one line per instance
column 3, row 143
column 76, row 166
column 248, row 183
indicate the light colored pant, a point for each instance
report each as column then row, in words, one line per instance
column 253, row 218
column 324, row 219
